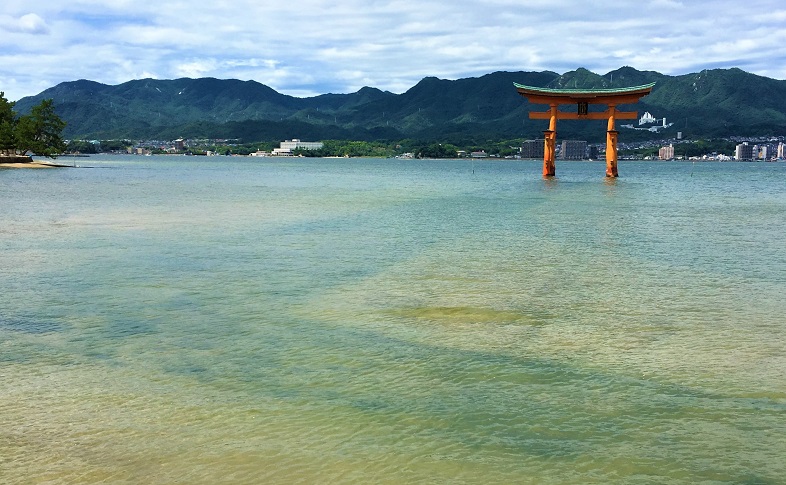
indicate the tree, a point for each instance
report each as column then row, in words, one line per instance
column 81, row 146
column 7, row 122
column 40, row 131
column 437, row 150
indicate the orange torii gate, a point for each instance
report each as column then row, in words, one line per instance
column 582, row 98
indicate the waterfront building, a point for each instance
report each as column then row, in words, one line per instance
column 744, row 151
column 532, row 149
column 666, row 153
column 296, row 144
column 781, row 148
column 574, row 150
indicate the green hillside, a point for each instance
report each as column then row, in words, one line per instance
column 711, row 103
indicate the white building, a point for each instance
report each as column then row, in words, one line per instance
column 295, row 144
column 744, row 151
column 647, row 118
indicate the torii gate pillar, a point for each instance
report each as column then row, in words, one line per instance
column 582, row 98
column 549, row 153
column 550, row 143
column 611, row 144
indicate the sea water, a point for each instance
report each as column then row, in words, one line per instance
column 210, row 320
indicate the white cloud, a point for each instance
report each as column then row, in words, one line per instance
column 312, row 46
column 29, row 24
column 666, row 4
column 196, row 68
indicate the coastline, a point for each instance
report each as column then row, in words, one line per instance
column 17, row 161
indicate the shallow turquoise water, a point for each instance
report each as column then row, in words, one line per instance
column 193, row 320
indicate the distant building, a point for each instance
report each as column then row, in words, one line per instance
column 479, row 154
column 532, row 149
column 574, row 150
column 296, row 144
column 179, row 144
column 744, row 151
column 592, row 152
column 781, row 149
column 666, row 153
column 647, row 118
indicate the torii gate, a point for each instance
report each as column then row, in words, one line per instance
column 582, row 98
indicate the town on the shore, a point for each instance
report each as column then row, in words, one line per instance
column 726, row 149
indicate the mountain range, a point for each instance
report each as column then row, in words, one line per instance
column 710, row 103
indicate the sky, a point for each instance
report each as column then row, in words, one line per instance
column 310, row 47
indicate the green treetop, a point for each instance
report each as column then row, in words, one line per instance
column 39, row 132
column 7, row 122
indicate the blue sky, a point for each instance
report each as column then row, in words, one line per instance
column 310, row 47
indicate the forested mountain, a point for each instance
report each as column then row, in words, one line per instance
column 711, row 103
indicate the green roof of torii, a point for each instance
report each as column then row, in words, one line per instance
column 595, row 96
column 589, row 92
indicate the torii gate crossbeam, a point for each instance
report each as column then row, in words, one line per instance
column 582, row 98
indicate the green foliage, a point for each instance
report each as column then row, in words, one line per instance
column 115, row 145
column 81, row 146
column 40, row 131
column 437, row 150
column 464, row 112
column 7, row 123
column 344, row 148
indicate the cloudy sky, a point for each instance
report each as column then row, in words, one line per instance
column 309, row 47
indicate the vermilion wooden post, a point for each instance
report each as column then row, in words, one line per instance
column 611, row 144
column 550, row 144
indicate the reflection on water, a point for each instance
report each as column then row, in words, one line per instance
column 173, row 319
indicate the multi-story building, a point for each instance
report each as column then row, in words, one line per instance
column 666, row 153
column 532, row 149
column 295, row 144
column 574, row 149
column 744, row 151
column 781, row 149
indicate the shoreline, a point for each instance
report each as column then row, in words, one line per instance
column 17, row 161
